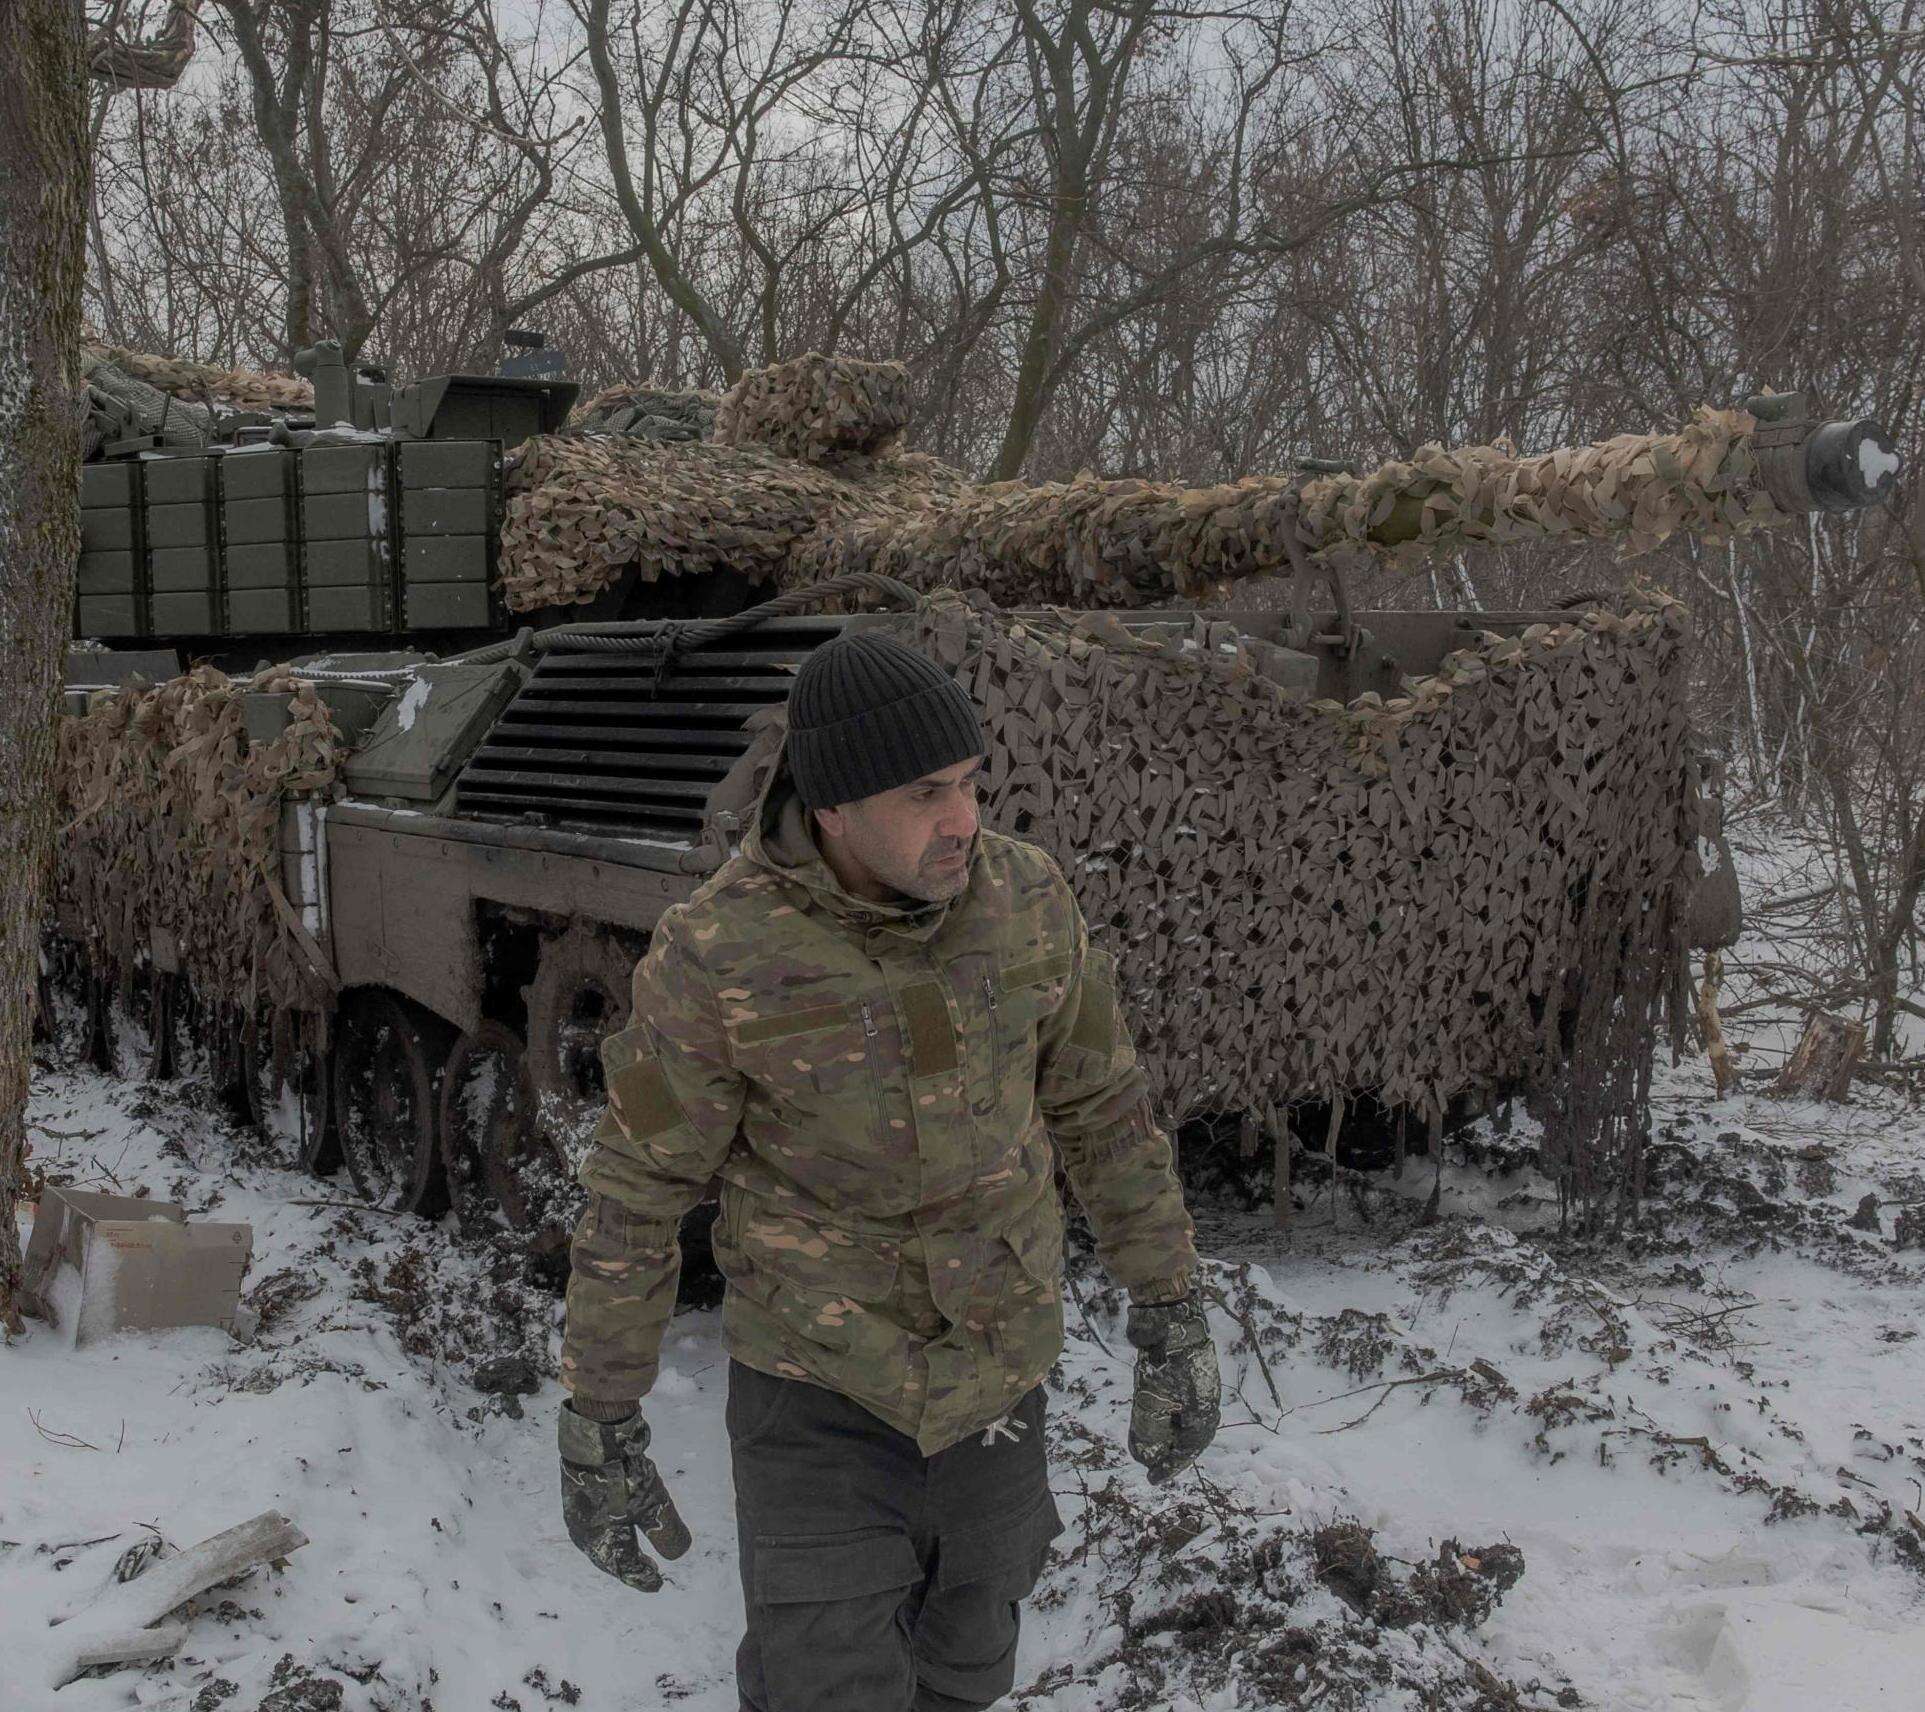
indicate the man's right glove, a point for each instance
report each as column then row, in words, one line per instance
column 609, row 1488
column 1177, row 1404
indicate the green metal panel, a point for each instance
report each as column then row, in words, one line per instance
column 106, row 573
column 447, row 463
column 255, row 474
column 260, row 611
column 107, row 531
column 446, row 606
column 177, row 525
column 175, row 569
column 360, row 608
column 446, row 558
column 337, row 564
column 418, row 758
column 445, row 510
column 341, row 516
column 105, row 615
column 177, row 481
column 342, row 469
column 183, row 614
column 103, row 485
column 255, row 519
column 260, row 565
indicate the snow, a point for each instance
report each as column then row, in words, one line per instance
column 412, row 702
column 1706, row 1442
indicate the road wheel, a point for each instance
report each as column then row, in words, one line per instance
column 498, row 1162
column 580, row 995
column 388, row 1056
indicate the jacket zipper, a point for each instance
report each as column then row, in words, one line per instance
column 995, row 1042
column 875, row 1075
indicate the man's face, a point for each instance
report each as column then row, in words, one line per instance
column 915, row 840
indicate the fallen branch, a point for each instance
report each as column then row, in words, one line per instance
column 119, row 1626
column 1388, row 1386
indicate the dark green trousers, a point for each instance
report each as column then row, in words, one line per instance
column 877, row 1579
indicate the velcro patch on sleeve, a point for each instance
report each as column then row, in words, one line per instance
column 932, row 1036
column 1035, row 971
column 786, row 1023
column 642, row 1101
column 1095, row 1025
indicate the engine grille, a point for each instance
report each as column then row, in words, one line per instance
column 588, row 742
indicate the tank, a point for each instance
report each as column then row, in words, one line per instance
column 1382, row 866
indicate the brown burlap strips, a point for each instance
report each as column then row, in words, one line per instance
column 1469, row 886
column 792, row 508
column 173, row 833
column 209, row 383
column 581, row 510
column 816, row 408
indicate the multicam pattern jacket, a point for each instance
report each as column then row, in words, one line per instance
column 878, row 1089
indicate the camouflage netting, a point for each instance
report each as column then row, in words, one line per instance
column 173, row 827
column 799, row 483
column 581, row 510
column 818, row 409
column 1313, row 901
column 207, row 383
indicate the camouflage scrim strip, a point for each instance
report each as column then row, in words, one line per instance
column 819, row 409
column 172, row 820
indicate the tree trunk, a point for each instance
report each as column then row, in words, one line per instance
column 1822, row 1065
column 43, row 217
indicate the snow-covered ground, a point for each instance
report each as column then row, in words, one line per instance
column 1707, row 1441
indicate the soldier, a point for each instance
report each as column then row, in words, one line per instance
column 880, row 1026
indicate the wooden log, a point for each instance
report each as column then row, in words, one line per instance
column 1822, row 1064
column 1724, row 1072
column 117, row 1627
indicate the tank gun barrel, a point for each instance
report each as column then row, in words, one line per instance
column 1726, row 472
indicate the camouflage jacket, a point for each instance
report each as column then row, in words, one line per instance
column 877, row 1087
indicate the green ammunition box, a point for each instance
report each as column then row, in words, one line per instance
column 361, row 608
column 445, row 558
column 338, row 564
column 106, row 573
column 260, row 611
column 444, row 510
column 107, row 531
column 445, row 606
column 103, row 485
column 105, row 615
column 342, row 516
column 343, row 469
column 447, row 463
column 260, row 565
column 179, row 569
column 183, row 614
column 255, row 474
column 179, row 481
column 255, row 519
column 177, row 525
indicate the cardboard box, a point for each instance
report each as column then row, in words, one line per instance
column 113, row 1263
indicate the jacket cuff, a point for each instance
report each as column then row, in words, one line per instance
column 602, row 1408
column 1158, row 1291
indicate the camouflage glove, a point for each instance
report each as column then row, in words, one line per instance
column 1176, row 1410
column 609, row 1488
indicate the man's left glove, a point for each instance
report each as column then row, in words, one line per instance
column 609, row 1488
column 1176, row 1409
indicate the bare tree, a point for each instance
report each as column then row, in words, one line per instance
column 43, row 178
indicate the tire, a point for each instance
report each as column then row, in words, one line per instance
column 388, row 1057
column 580, row 994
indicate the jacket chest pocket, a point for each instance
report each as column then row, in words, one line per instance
column 821, row 1063
column 1021, row 994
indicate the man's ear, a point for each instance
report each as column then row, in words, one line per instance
column 833, row 821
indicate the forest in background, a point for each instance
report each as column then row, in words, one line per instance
column 1184, row 242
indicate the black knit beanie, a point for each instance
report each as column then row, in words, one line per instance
column 867, row 714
